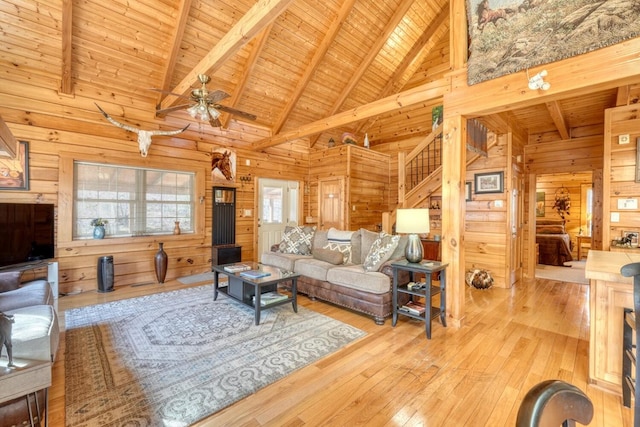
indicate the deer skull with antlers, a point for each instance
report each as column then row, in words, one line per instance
column 144, row 136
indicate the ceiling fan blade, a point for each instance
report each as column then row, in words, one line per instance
column 217, row 95
column 235, row 112
column 215, row 122
column 174, row 108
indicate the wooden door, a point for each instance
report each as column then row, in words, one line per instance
column 331, row 203
column 516, row 226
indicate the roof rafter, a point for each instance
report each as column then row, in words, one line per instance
column 416, row 95
column 247, row 72
column 400, row 12
column 558, row 119
column 318, row 56
column 412, row 60
column 255, row 20
column 176, row 40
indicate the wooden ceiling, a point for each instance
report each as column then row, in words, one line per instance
column 291, row 63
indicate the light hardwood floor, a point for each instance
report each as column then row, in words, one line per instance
column 476, row 375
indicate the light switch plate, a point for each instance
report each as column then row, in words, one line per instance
column 615, row 216
column 628, row 204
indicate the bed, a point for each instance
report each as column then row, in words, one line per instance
column 554, row 243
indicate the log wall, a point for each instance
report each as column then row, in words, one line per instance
column 57, row 125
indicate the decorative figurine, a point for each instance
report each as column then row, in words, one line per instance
column 6, row 321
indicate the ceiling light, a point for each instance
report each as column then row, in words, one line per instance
column 203, row 112
column 537, row 82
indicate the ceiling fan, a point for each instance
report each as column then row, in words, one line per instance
column 204, row 104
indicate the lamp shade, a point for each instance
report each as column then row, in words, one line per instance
column 412, row 221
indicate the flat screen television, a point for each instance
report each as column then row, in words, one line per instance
column 26, row 232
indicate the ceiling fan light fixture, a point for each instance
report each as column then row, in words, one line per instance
column 214, row 113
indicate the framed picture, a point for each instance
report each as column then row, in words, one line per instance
column 631, row 237
column 467, row 190
column 540, row 203
column 492, row 182
column 14, row 173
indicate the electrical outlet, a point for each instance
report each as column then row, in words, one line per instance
column 615, row 216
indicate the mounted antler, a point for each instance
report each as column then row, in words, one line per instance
column 144, row 136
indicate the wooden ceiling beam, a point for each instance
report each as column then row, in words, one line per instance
column 558, row 119
column 622, row 96
column 318, row 56
column 252, row 60
column 66, row 86
column 261, row 14
column 176, row 40
column 417, row 95
column 373, row 52
column 404, row 70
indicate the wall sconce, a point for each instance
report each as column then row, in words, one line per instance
column 537, row 82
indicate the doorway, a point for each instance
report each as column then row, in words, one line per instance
column 278, row 206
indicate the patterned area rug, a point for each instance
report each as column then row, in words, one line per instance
column 173, row 358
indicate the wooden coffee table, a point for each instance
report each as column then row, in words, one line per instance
column 253, row 291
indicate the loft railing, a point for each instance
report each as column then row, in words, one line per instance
column 424, row 160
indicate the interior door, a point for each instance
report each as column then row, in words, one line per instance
column 331, row 203
column 278, row 207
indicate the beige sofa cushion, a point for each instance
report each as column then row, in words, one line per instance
column 313, row 268
column 355, row 277
column 327, row 255
column 280, row 260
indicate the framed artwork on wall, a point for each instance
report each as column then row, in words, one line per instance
column 491, row 182
column 540, row 204
column 14, row 173
column 467, row 191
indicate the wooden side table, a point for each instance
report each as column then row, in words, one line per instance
column 428, row 268
column 25, row 380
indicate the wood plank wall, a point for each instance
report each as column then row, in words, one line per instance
column 55, row 124
column 367, row 183
column 620, row 176
column 485, row 232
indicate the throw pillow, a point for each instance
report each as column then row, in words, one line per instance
column 343, row 248
column 340, row 240
column 380, row 251
column 297, row 240
column 9, row 280
column 327, row 255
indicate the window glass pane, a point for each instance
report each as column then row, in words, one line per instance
column 134, row 201
column 272, row 205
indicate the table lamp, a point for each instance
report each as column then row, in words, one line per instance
column 413, row 222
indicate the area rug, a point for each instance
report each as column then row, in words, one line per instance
column 173, row 358
column 573, row 272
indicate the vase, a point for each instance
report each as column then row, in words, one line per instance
column 98, row 232
column 160, row 263
column 176, row 229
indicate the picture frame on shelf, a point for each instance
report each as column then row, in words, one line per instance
column 489, row 182
column 467, row 190
column 631, row 237
column 14, row 173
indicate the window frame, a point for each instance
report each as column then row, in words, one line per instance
column 66, row 196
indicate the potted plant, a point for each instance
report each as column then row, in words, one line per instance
column 98, row 227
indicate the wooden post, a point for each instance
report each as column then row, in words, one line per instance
column 453, row 213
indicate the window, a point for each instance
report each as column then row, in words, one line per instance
column 135, row 201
